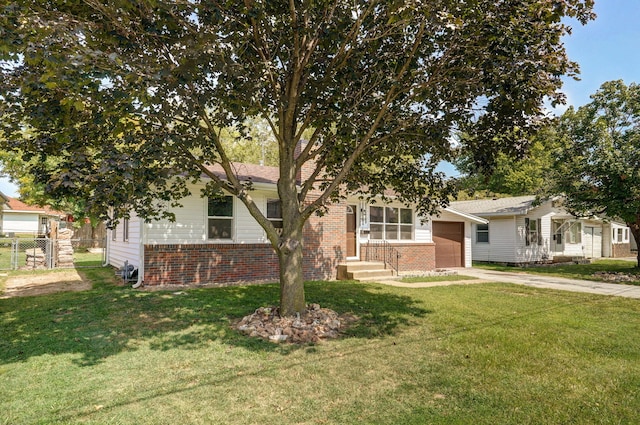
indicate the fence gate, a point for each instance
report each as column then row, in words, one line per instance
column 45, row 253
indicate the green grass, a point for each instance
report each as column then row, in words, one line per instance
column 445, row 278
column 573, row 271
column 481, row 354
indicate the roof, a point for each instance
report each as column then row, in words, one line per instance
column 470, row 217
column 518, row 205
column 249, row 172
column 15, row 205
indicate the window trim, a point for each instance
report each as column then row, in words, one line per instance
column 482, row 231
column 215, row 217
column 274, row 219
column 530, row 234
column 125, row 230
column 400, row 224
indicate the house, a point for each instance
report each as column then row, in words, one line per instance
column 519, row 231
column 218, row 241
column 17, row 217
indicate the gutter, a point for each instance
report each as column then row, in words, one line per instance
column 140, row 281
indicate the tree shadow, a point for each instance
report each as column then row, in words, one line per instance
column 108, row 320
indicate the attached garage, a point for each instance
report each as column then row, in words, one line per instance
column 448, row 237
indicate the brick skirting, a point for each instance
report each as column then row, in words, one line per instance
column 413, row 256
column 619, row 250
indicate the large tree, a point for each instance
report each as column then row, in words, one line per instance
column 132, row 96
column 597, row 167
column 510, row 175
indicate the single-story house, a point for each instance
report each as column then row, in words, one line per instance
column 218, row 241
column 519, row 231
column 17, row 217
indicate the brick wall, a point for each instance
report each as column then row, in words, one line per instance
column 413, row 257
column 209, row 263
column 619, row 250
column 197, row 264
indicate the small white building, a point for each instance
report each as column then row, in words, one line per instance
column 16, row 217
column 520, row 231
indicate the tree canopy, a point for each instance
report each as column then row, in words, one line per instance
column 132, row 97
column 597, row 166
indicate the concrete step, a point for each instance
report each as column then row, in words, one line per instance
column 370, row 274
column 353, row 266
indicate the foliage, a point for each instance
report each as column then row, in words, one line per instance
column 132, row 99
column 481, row 354
column 513, row 176
column 598, row 162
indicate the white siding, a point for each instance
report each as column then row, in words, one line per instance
column 119, row 250
column 190, row 225
column 502, row 239
column 424, row 231
column 20, row 222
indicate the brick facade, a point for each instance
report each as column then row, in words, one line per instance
column 197, row 264
column 413, row 256
column 619, row 250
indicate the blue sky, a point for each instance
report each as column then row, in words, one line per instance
column 606, row 49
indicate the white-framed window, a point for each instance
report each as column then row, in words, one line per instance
column 482, row 233
column 125, row 230
column 532, row 231
column 274, row 213
column 619, row 240
column 220, row 218
column 626, row 235
column 574, row 233
column 391, row 223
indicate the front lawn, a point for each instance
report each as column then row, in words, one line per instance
column 482, row 354
column 573, row 271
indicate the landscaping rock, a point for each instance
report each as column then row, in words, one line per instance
column 312, row 326
column 617, row 276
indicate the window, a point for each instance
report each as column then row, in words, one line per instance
column 391, row 223
column 125, row 230
column 626, row 235
column 574, row 233
column 482, row 233
column 274, row 213
column 619, row 235
column 557, row 231
column 532, row 229
column 220, row 218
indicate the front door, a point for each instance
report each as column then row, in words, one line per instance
column 351, row 230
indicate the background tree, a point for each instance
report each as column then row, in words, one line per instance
column 132, row 96
column 598, row 163
column 510, row 176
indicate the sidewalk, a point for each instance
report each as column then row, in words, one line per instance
column 536, row 281
column 552, row 282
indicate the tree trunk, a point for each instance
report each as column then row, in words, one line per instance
column 635, row 232
column 291, row 278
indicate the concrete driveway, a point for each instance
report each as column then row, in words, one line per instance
column 552, row 282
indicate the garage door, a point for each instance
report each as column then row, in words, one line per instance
column 449, row 240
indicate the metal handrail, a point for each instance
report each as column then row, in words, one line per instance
column 383, row 251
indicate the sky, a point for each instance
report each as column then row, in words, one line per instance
column 606, row 49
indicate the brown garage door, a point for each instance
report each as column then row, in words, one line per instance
column 449, row 240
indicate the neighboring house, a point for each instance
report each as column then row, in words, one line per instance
column 19, row 218
column 218, row 241
column 520, row 231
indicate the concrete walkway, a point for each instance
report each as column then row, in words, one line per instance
column 536, row 281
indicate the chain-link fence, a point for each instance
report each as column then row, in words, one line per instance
column 45, row 253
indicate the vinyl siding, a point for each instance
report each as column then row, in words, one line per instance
column 120, row 251
column 190, row 225
column 502, row 239
column 20, row 222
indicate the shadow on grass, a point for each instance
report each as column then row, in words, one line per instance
column 108, row 320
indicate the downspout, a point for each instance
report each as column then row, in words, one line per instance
column 107, row 248
column 140, row 281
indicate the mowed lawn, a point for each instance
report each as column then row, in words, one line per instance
column 461, row 354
